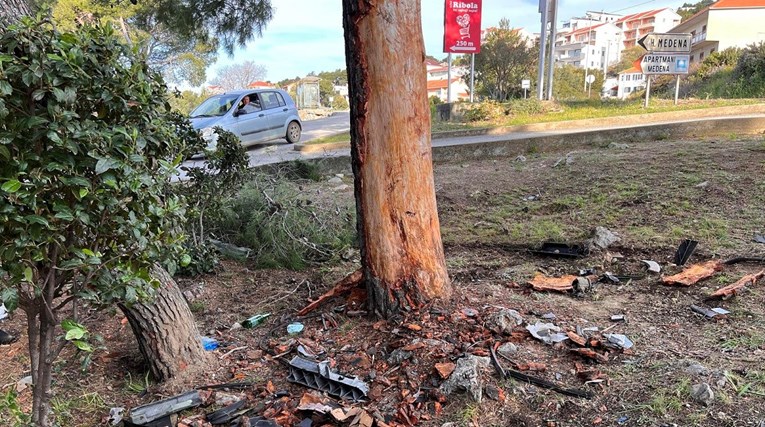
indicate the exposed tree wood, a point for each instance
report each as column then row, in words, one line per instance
column 735, row 288
column 349, row 282
column 165, row 330
column 401, row 249
column 540, row 282
column 694, row 273
column 11, row 10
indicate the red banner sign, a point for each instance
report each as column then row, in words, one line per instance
column 462, row 26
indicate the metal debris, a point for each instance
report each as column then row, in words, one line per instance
column 684, row 251
column 619, row 340
column 547, row 333
column 153, row 411
column 653, row 266
column 318, row 376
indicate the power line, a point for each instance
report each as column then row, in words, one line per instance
column 634, row 5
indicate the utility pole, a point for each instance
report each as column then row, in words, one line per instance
column 553, row 35
column 542, row 47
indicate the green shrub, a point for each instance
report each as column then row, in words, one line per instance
column 751, row 63
column 529, row 106
column 282, row 226
column 484, row 111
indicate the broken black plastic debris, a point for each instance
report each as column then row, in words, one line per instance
column 759, row 238
column 561, row 250
column 684, row 251
column 145, row 414
column 227, row 414
column 318, row 376
column 6, row 338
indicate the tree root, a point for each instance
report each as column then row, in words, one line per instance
column 346, row 284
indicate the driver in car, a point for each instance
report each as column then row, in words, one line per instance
column 247, row 106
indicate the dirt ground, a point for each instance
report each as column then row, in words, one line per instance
column 493, row 213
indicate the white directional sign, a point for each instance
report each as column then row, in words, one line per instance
column 651, row 64
column 666, row 42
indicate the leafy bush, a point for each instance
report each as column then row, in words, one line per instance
column 87, row 146
column 718, row 61
column 484, row 111
column 282, row 226
column 339, row 102
column 751, row 63
column 526, row 106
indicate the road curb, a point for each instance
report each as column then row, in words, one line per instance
column 633, row 120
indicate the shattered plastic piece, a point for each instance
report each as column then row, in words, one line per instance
column 318, row 376
column 115, row 415
column 694, row 273
column 759, row 238
column 735, row 288
column 470, row 312
column 618, row 318
column 314, row 402
column 685, row 251
column 6, row 338
column 23, row 383
column 548, row 316
column 653, row 266
column 227, row 414
column 156, row 410
column 209, row 344
column 547, row 333
column 255, row 320
column 610, row 277
column 540, row 282
column 3, row 311
column 561, row 250
column 619, row 340
column 721, row 311
column 295, row 328
column 623, row 419
column 703, row 311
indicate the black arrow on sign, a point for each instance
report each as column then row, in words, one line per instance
column 640, row 42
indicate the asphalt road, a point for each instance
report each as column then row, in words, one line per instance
column 279, row 151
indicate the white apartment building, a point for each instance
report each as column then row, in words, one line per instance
column 637, row 25
column 595, row 46
column 724, row 24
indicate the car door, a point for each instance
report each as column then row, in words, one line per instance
column 251, row 121
column 274, row 108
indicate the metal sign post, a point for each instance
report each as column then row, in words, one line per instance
column 449, row 79
column 542, row 48
column 677, row 88
column 553, row 12
column 472, row 76
column 647, row 91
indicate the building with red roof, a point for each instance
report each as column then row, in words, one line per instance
column 724, row 24
column 636, row 25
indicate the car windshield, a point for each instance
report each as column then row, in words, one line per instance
column 215, row 106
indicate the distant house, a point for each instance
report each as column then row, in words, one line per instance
column 727, row 23
column 637, row 25
column 630, row 81
column 439, row 88
column 260, row 85
column 595, row 46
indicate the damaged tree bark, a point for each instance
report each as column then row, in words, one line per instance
column 165, row 329
column 401, row 250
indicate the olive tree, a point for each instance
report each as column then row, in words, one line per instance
column 87, row 145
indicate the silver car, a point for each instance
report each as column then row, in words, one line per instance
column 254, row 115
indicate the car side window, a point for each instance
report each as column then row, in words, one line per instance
column 281, row 99
column 269, row 100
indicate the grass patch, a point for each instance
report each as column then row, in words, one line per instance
column 338, row 137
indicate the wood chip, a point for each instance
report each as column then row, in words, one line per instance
column 413, row 327
column 445, row 369
column 540, row 282
column 590, row 354
column 578, row 339
column 694, row 273
column 735, row 288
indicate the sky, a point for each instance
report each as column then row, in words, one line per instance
column 307, row 35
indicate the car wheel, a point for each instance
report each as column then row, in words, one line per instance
column 293, row 132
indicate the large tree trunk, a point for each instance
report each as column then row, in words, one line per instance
column 401, row 250
column 167, row 335
column 11, row 10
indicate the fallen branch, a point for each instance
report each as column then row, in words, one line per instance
column 349, row 282
column 694, row 273
column 735, row 288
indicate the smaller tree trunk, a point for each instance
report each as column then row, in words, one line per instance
column 167, row 336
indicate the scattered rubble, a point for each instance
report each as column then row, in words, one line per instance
column 540, row 282
column 602, row 238
column 467, row 377
column 504, row 321
column 547, row 333
column 703, row 393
